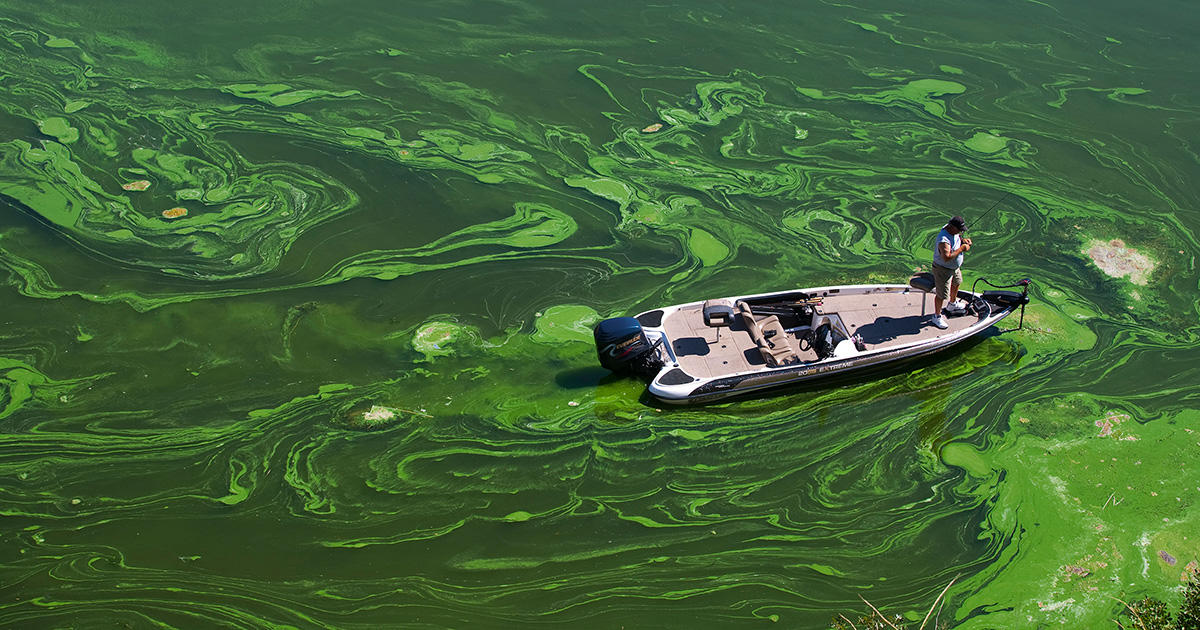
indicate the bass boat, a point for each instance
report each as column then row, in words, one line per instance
column 705, row 351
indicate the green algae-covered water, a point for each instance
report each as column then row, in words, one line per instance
column 297, row 302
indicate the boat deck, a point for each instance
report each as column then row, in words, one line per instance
column 881, row 318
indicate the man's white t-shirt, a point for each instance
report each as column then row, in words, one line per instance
column 954, row 240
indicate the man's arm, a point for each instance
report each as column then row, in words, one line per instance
column 947, row 253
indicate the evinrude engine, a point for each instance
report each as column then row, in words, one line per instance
column 623, row 347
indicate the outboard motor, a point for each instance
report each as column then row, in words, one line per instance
column 623, row 347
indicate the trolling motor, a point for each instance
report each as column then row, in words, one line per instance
column 1006, row 299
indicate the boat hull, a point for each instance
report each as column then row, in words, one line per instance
column 695, row 371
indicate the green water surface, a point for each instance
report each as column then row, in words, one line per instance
column 297, row 302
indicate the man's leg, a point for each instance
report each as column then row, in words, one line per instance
column 955, row 281
column 941, row 284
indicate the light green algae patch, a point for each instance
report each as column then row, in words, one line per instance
column 60, row 42
column 604, row 188
column 706, row 247
column 565, row 323
column 22, row 385
column 281, row 95
column 966, row 457
column 58, row 128
column 1056, row 324
column 520, row 516
column 437, row 339
column 1119, row 261
column 924, row 93
column 984, row 142
column 1106, row 504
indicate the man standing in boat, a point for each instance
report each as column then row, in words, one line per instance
column 947, row 266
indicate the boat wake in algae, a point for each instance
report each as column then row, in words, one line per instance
column 298, row 300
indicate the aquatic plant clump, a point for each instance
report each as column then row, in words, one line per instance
column 876, row 620
column 1150, row 613
column 375, row 417
column 377, row 414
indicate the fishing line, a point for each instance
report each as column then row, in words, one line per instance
column 994, row 206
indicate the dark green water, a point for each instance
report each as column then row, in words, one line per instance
column 354, row 386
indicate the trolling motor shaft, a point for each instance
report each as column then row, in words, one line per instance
column 1007, row 298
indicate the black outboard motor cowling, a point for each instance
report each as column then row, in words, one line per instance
column 623, row 347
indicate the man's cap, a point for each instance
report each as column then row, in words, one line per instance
column 957, row 222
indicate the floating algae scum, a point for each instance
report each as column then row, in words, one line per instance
column 297, row 304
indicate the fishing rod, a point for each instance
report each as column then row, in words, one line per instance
column 994, row 206
column 1010, row 299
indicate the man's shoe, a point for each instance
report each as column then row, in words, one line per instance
column 940, row 322
column 954, row 310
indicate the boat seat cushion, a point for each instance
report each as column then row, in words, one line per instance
column 779, row 348
column 774, row 343
column 922, row 281
column 718, row 313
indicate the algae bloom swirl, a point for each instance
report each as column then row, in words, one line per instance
column 297, row 305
